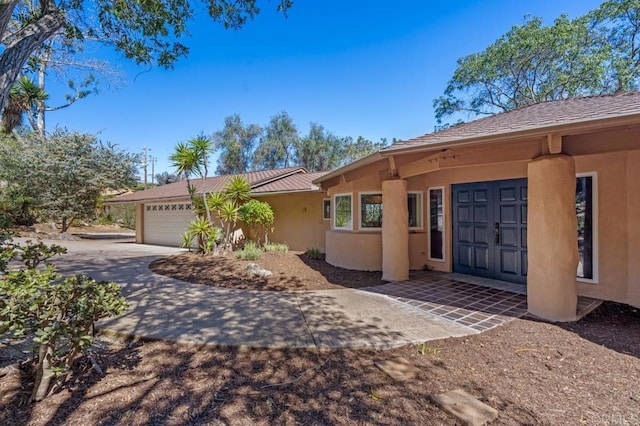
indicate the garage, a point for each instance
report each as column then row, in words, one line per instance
column 164, row 223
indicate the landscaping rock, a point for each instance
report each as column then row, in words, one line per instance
column 398, row 368
column 465, row 407
column 255, row 270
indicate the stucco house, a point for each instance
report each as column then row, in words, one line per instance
column 547, row 196
column 164, row 212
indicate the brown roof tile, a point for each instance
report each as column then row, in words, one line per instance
column 175, row 190
column 293, row 183
column 539, row 116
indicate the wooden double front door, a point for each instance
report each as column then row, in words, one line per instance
column 490, row 229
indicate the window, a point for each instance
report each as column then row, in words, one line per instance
column 586, row 212
column 326, row 208
column 343, row 211
column 436, row 223
column 371, row 211
column 414, row 204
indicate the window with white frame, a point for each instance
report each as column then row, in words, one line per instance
column 371, row 210
column 414, row 205
column 343, row 211
column 436, row 223
column 586, row 212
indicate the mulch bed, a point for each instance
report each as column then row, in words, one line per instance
column 291, row 271
column 531, row 372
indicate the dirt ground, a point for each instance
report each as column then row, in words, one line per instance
column 532, row 372
column 291, row 271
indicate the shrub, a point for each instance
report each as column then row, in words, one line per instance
column 258, row 215
column 105, row 219
column 59, row 312
column 207, row 235
column 276, row 247
column 314, row 253
column 250, row 251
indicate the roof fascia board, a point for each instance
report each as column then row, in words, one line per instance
column 578, row 126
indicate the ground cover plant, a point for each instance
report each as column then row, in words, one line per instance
column 531, row 372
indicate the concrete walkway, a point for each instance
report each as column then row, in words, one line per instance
column 165, row 308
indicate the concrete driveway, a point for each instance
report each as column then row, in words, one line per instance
column 165, row 308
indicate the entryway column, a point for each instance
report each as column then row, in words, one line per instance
column 395, row 231
column 552, row 238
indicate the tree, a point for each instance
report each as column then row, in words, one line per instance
column 276, row 147
column 352, row 151
column 593, row 54
column 166, row 178
column 148, row 32
column 66, row 173
column 24, row 97
column 319, row 150
column 236, row 142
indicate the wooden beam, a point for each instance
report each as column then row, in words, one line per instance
column 393, row 169
column 554, row 143
column 369, row 169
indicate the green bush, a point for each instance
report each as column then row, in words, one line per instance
column 129, row 220
column 276, row 247
column 105, row 219
column 250, row 251
column 314, row 253
column 59, row 312
column 258, row 215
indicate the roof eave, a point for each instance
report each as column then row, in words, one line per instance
column 371, row 158
column 572, row 127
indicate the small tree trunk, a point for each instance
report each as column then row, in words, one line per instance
column 44, row 373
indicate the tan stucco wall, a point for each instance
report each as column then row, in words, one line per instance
column 298, row 220
column 359, row 251
column 395, row 231
column 140, row 223
column 553, row 244
column 633, row 233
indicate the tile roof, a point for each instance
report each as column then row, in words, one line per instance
column 297, row 182
column 261, row 182
column 534, row 117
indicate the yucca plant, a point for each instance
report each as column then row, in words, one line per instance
column 238, row 190
column 205, row 232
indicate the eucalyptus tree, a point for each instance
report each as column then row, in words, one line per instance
column 236, row 142
column 276, row 147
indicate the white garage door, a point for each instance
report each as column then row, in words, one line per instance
column 164, row 223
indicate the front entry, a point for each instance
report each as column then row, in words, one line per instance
column 490, row 229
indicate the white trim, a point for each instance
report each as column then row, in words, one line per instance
column 420, row 204
column 367, row 228
column 595, row 231
column 444, row 223
column 324, row 200
column 333, row 207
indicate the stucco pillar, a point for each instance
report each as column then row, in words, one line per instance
column 552, row 238
column 139, row 223
column 395, row 231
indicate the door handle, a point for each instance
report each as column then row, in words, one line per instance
column 496, row 233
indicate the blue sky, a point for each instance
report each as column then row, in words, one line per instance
column 359, row 68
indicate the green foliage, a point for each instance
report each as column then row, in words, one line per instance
column 238, row 190
column 281, row 247
column 354, row 150
column 277, row 147
column 236, row 142
column 250, row 251
column 59, row 312
column 594, row 54
column 16, row 205
column 65, row 173
column 314, row 253
column 319, row 150
column 207, row 235
column 166, row 178
column 105, row 219
column 425, row 349
column 258, row 215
